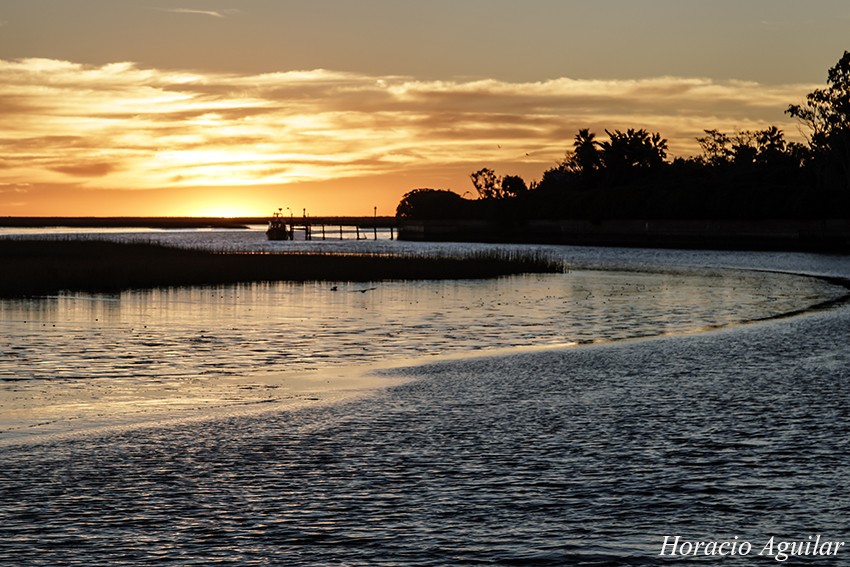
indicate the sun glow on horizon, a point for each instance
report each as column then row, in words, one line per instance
column 225, row 211
column 117, row 128
column 224, row 203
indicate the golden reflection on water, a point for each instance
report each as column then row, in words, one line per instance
column 81, row 358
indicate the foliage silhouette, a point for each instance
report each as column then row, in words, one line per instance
column 487, row 183
column 826, row 113
column 432, row 204
column 739, row 175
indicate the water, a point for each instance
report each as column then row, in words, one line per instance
column 529, row 453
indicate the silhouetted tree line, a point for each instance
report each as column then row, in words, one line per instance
column 747, row 174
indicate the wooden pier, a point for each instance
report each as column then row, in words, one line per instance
column 328, row 228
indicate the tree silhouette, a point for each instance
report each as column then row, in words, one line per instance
column 715, row 147
column 487, row 183
column 770, row 146
column 631, row 153
column 742, row 175
column 826, row 113
column 513, row 186
column 431, row 204
column 745, row 149
column 585, row 159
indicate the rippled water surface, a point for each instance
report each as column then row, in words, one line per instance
column 531, row 455
column 290, row 327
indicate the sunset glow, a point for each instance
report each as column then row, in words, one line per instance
column 125, row 137
column 125, row 128
column 222, row 210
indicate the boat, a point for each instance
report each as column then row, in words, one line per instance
column 277, row 228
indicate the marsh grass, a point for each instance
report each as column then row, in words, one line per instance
column 44, row 266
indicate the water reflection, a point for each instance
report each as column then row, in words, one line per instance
column 180, row 346
column 296, row 327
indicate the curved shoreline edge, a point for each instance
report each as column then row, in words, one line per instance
column 826, row 305
column 296, row 397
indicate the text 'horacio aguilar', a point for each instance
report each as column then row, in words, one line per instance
column 779, row 549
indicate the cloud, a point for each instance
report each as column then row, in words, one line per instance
column 15, row 187
column 121, row 126
column 86, row 169
column 210, row 13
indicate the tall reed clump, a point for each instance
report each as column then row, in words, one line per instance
column 38, row 267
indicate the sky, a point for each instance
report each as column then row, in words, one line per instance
column 240, row 107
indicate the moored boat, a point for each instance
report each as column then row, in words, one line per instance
column 277, row 228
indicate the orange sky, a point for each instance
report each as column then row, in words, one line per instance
column 83, row 133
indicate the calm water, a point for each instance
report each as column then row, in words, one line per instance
column 527, row 454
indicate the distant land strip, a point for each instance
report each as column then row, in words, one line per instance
column 816, row 235
column 34, row 267
column 186, row 222
column 812, row 235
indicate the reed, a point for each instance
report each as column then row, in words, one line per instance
column 39, row 266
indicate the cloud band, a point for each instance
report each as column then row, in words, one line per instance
column 121, row 126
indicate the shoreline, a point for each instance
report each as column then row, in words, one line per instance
column 809, row 235
column 828, row 235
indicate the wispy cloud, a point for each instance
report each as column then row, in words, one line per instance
column 121, row 126
column 211, row 13
column 15, row 187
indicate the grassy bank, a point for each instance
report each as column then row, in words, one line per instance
column 38, row 267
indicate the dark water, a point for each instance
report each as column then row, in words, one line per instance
column 584, row 456
column 581, row 456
